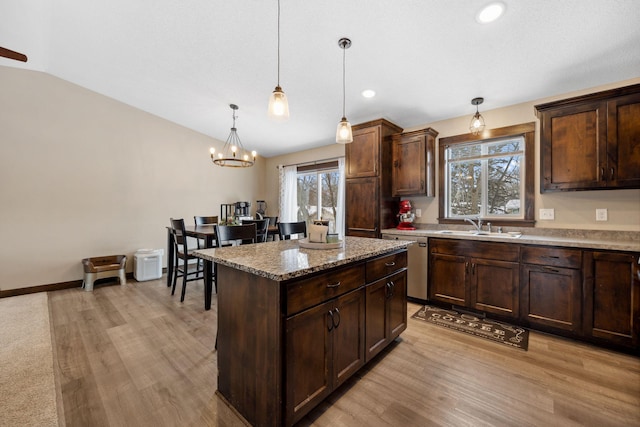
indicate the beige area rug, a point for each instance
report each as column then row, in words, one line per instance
column 27, row 383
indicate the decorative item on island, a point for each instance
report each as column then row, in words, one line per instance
column 315, row 319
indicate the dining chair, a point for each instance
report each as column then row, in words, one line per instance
column 204, row 220
column 286, row 229
column 272, row 229
column 182, row 252
column 262, row 226
column 230, row 233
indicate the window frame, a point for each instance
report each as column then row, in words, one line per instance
column 525, row 130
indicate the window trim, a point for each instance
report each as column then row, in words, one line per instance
column 526, row 130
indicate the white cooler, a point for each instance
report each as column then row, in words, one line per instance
column 147, row 264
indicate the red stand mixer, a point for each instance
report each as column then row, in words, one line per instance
column 405, row 216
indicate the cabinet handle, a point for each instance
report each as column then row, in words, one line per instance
column 553, row 270
column 393, row 288
column 330, row 320
column 387, row 293
column 611, row 178
column 466, row 267
column 389, row 264
column 550, row 256
column 422, row 184
column 363, row 229
column 336, row 315
column 335, row 285
column 473, row 268
column 601, row 174
column 390, row 287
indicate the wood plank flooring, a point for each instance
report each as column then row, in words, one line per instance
column 136, row 356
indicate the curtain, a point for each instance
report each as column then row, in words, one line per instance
column 340, row 211
column 288, row 193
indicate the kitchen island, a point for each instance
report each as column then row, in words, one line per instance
column 295, row 323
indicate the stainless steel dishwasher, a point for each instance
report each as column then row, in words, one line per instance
column 418, row 259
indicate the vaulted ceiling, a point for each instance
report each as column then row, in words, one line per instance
column 425, row 59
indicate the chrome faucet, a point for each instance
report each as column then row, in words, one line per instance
column 477, row 225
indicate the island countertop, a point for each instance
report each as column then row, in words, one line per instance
column 285, row 259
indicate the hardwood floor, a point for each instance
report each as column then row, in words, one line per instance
column 136, row 356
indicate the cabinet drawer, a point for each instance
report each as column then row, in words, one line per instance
column 486, row 250
column 556, row 257
column 315, row 290
column 385, row 265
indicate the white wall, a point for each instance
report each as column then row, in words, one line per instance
column 84, row 175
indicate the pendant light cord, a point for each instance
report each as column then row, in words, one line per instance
column 343, row 81
column 278, row 42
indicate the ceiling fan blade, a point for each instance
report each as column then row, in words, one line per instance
column 12, row 54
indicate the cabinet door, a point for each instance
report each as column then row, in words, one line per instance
column 447, row 281
column 623, row 142
column 348, row 335
column 386, row 302
column 573, row 147
column 376, row 331
column 494, row 286
column 612, row 301
column 551, row 297
column 362, row 207
column 308, row 360
column 408, row 175
column 397, row 304
column 362, row 156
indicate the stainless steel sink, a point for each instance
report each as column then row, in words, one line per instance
column 511, row 234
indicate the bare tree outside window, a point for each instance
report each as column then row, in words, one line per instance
column 318, row 195
column 485, row 179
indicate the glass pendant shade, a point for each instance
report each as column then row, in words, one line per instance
column 344, row 135
column 477, row 121
column 477, row 124
column 278, row 105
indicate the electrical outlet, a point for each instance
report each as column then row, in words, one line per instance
column 418, row 213
column 548, row 214
column 601, row 215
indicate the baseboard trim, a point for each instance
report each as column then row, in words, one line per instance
column 48, row 288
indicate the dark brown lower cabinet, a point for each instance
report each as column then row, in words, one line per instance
column 580, row 293
column 386, row 312
column 478, row 275
column 551, row 288
column 325, row 346
column 612, row 297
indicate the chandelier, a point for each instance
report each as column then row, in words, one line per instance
column 233, row 154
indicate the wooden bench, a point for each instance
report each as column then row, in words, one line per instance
column 101, row 267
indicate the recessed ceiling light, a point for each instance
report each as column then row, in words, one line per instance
column 368, row 93
column 490, row 12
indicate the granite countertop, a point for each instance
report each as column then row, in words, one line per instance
column 586, row 239
column 283, row 260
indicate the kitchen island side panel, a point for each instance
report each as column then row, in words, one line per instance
column 249, row 345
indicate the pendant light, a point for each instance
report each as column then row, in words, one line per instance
column 477, row 121
column 278, row 105
column 344, row 135
column 233, row 154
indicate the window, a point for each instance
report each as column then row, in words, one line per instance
column 318, row 192
column 491, row 178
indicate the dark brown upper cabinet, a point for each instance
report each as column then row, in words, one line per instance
column 414, row 163
column 591, row 142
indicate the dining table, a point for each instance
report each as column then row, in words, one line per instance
column 207, row 233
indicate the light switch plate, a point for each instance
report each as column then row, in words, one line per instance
column 601, row 215
column 548, row 214
column 418, row 213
